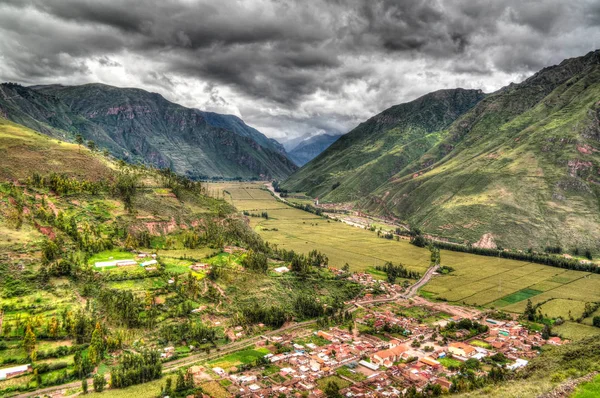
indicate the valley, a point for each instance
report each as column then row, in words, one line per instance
column 490, row 282
column 447, row 245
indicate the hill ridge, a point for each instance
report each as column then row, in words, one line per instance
column 137, row 125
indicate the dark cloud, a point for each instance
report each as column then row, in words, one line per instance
column 291, row 67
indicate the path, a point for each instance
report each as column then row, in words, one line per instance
column 424, row 279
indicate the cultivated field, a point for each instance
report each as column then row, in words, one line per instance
column 476, row 280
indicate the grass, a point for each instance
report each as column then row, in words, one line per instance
column 322, row 383
column 150, row 389
column 238, row 358
column 513, row 298
column 448, row 362
column 588, row 390
column 26, row 151
column 576, row 331
column 347, row 372
column 317, row 340
column 107, row 254
column 214, row 389
column 482, row 344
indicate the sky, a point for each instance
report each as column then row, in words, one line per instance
column 292, row 67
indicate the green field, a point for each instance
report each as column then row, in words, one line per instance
column 521, row 295
column 238, row 358
column 476, row 280
column 322, row 383
column 588, row 390
column 448, row 362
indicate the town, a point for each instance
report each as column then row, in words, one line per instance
column 392, row 347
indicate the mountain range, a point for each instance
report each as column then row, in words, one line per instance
column 139, row 126
column 309, row 148
column 516, row 168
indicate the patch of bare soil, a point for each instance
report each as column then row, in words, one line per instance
column 486, row 242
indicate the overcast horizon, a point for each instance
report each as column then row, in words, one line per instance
column 291, row 68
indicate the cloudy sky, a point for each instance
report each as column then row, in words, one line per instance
column 291, row 67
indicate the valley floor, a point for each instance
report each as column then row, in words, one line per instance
column 488, row 282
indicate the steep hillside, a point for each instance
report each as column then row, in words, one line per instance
column 136, row 125
column 520, row 168
column 24, row 151
column 310, row 148
column 377, row 149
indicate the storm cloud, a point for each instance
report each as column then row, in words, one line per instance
column 291, row 67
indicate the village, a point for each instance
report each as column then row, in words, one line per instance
column 391, row 347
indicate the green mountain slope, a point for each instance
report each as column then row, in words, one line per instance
column 520, row 168
column 136, row 125
column 377, row 149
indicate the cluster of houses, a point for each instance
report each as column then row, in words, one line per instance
column 385, row 365
column 367, row 280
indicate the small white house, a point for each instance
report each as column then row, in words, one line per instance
column 369, row 365
column 281, row 270
column 147, row 263
column 14, row 371
column 519, row 363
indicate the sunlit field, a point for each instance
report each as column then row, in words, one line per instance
column 476, row 280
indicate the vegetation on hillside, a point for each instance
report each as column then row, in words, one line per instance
column 139, row 126
column 517, row 170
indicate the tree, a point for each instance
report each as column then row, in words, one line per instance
column 596, row 321
column 546, row 332
column 92, row 145
column 96, row 351
column 180, row 383
column 168, row 387
column 29, row 342
column 435, row 256
column 84, row 385
column 79, row 141
column 529, row 311
column 332, row 390
column 346, row 267
column 99, row 382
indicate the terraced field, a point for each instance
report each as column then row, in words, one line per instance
column 476, row 280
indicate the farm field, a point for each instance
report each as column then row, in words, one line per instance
column 238, row 358
column 476, row 280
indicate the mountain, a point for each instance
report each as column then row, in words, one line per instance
column 137, row 125
column 310, row 148
column 519, row 168
column 360, row 161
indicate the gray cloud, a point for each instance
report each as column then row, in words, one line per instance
column 291, row 67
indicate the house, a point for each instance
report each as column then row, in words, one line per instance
column 325, row 335
column 369, row 365
column 554, row 341
column 14, row 371
column 519, row 363
column 430, row 362
column 462, row 350
column 281, row 270
column 443, row 382
column 148, row 263
column 390, row 355
column 218, row 371
column 126, row 263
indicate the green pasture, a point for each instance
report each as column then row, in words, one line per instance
column 238, row 358
column 588, row 390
